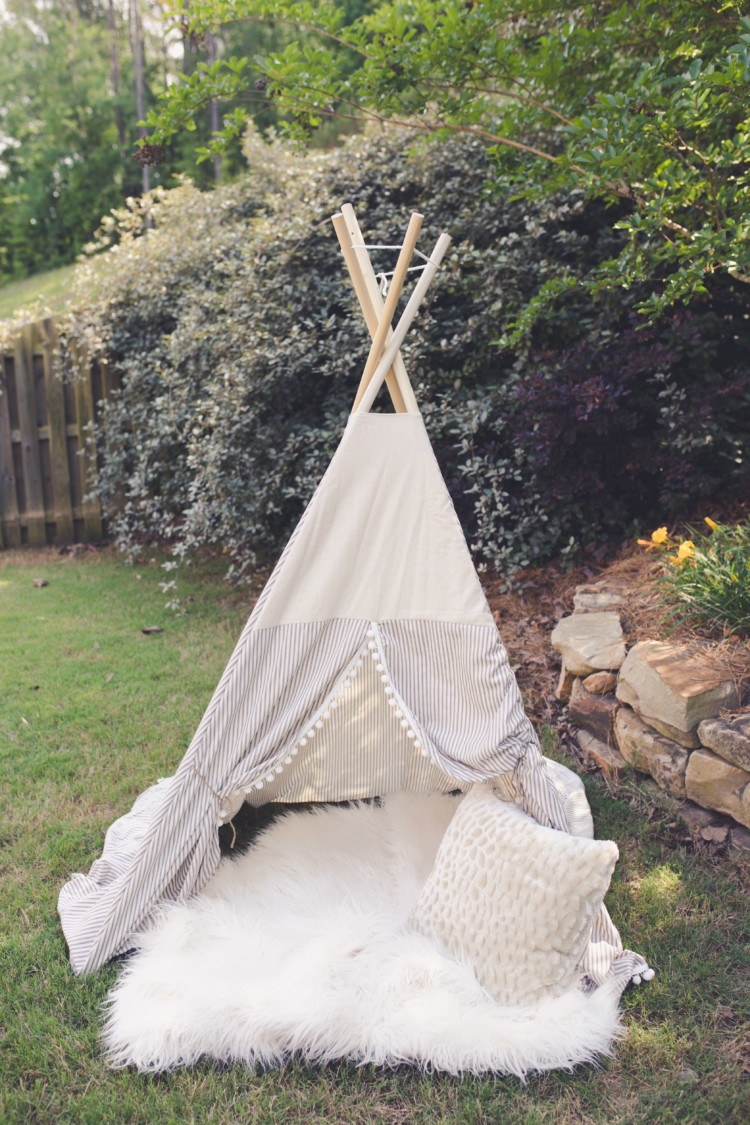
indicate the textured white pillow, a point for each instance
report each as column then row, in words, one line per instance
column 514, row 899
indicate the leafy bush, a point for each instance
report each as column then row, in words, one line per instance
column 238, row 345
column 627, row 420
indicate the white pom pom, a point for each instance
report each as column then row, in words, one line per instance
column 636, row 978
column 303, row 742
column 424, row 752
column 219, row 822
column 295, row 751
column 288, row 761
column 270, row 777
column 410, row 734
column 375, row 655
column 399, row 713
column 648, row 974
column 385, row 678
column 371, row 632
column 258, row 784
column 278, row 769
column 311, row 732
column 319, row 724
column 391, row 702
column 334, row 703
column 359, row 663
column 380, row 667
column 326, row 714
column 417, row 745
column 371, row 645
column 404, row 723
column 389, row 691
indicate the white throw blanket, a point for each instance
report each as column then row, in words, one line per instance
column 302, row 945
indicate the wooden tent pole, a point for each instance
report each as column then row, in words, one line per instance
column 368, row 311
column 404, row 323
column 376, row 301
column 394, row 292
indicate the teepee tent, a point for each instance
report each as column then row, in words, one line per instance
column 370, row 665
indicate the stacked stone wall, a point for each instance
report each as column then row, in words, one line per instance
column 663, row 708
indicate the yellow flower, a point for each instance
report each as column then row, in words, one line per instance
column 661, row 535
column 711, row 523
column 685, row 551
column 646, row 543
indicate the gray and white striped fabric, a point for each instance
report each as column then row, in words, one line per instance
column 370, row 664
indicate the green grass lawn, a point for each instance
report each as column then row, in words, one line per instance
column 53, row 287
column 92, row 711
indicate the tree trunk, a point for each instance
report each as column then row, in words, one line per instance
column 214, row 106
column 135, row 8
column 114, row 70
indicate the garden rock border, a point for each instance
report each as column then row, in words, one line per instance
column 661, row 707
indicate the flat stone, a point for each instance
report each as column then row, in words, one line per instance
column 650, row 752
column 673, row 689
column 607, row 758
column 740, row 838
column 564, row 684
column 716, row 784
column 598, row 597
column 590, row 642
column 696, row 817
column 594, row 713
column 729, row 738
column 600, row 683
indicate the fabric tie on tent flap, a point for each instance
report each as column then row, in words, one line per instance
column 220, row 799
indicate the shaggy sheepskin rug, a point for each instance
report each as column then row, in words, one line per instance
column 302, row 945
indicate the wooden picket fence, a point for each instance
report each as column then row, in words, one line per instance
column 49, row 398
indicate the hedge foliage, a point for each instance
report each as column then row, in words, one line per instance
column 238, row 343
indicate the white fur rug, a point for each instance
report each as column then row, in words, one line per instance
column 302, row 945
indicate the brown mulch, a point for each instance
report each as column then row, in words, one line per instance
column 526, row 616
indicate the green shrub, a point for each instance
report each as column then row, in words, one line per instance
column 235, row 333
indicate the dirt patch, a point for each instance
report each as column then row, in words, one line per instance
column 30, row 557
column 526, row 616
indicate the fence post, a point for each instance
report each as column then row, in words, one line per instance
column 9, row 515
column 58, row 438
column 27, row 421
